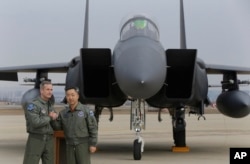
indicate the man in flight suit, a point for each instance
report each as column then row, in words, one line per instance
column 80, row 129
column 39, row 114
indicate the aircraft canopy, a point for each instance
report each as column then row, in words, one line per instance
column 139, row 25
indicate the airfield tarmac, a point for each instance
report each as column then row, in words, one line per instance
column 209, row 140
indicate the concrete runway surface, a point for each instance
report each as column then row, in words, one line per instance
column 209, row 140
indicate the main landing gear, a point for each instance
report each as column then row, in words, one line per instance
column 137, row 123
column 179, row 129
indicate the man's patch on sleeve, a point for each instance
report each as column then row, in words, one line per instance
column 30, row 107
column 91, row 113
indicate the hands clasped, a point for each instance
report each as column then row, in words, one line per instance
column 53, row 115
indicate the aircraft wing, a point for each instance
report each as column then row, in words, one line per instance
column 10, row 73
column 220, row 69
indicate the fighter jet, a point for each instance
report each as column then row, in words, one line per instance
column 140, row 70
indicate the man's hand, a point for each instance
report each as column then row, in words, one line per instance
column 92, row 149
column 53, row 115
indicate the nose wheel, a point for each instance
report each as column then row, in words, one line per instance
column 137, row 123
column 138, row 148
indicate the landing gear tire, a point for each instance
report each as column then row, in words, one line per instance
column 137, row 150
column 179, row 138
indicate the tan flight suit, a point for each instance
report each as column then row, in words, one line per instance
column 80, row 130
column 40, row 140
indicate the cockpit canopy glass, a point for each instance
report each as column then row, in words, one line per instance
column 139, row 25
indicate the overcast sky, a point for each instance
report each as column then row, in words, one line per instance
column 50, row 31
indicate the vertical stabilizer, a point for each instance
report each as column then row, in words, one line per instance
column 182, row 27
column 86, row 26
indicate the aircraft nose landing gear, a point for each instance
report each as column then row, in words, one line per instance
column 138, row 148
column 137, row 123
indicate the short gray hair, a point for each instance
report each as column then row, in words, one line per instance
column 45, row 82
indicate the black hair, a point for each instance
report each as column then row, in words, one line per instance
column 75, row 88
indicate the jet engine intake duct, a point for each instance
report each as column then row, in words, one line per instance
column 180, row 72
column 97, row 84
column 234, row 103
column 96, row 71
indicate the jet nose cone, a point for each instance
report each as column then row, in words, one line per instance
column 140, row 72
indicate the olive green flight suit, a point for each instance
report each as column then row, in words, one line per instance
column 80, row 130
column 40, row 143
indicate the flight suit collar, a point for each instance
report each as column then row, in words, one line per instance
column 42, row 101
column 78, row 107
